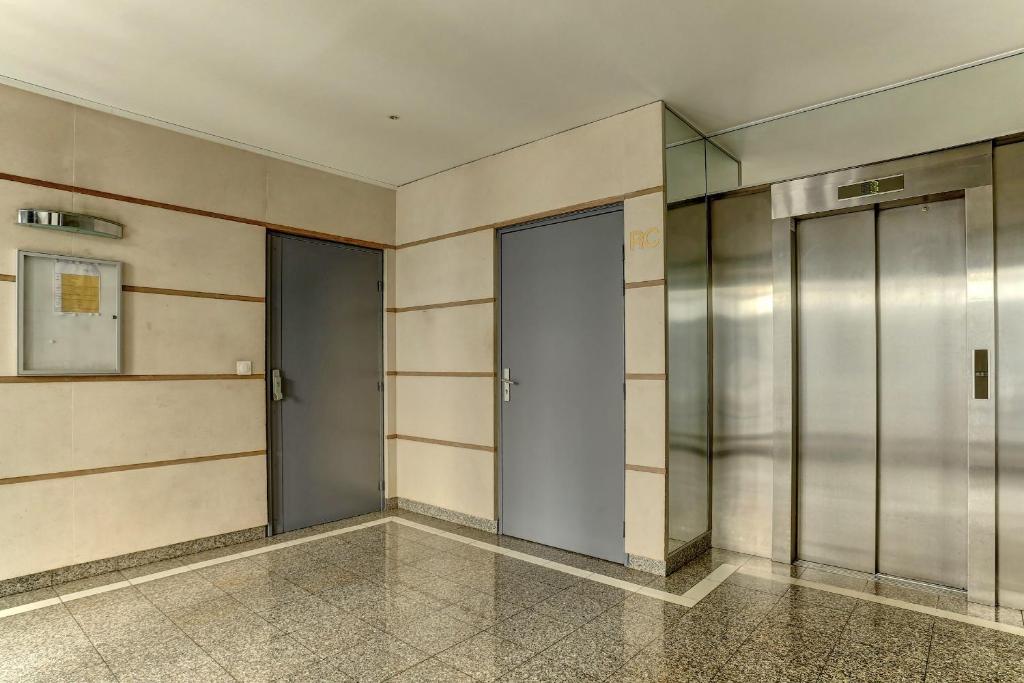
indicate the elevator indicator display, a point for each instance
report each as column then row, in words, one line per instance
column 866, row 188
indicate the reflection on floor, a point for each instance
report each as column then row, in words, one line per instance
column 392, row 602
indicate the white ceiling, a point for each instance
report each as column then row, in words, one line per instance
column 317, row 79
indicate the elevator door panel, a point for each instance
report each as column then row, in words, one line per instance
column 836, row 392
column 923, row 392
column 563, row 425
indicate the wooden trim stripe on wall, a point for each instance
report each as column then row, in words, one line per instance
column 646, row 468
column 137, row 289
column 125, row 468
column 646, row 375
column 441, row 442
column 43, row 379
column 645, row 283
column 278, row 227
column 447, row 304
column 440, row 373
column 535, row 216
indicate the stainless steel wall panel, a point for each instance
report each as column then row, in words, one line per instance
column 743, row 420
column 686, row 255
column 836, row 392
column 923, row 393
column 1009, row 379
column 981, row 415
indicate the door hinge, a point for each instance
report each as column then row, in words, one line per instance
column 380, row 386
column 380, row 285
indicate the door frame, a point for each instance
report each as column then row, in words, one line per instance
column 966, row 170
column 273, row 458
column 499, row 450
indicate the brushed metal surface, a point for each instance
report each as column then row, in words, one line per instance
column 952, row 169
column 1009, row 366
column 743, row 420
column 981, row 414
column 784, row 379
column 923, row 392
column 836, row 390
column 686, row 276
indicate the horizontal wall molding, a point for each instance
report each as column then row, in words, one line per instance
column 441, row 442
column 125, row 468
column 192, row 293
column 45, row 379
column 128, row 199
column 646, row 375
column 645, row 468
column 535, row 216
column 425, row 373
column 138, row 289
column 447, row 304
column 645, row 283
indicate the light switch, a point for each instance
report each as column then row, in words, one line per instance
column 243, row 367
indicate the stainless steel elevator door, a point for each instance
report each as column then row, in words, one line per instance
column 923, row 393
column 563, row 342
column 836, row 489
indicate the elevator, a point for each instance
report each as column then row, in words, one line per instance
column 883, row 322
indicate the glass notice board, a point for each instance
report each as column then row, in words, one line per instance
column 69, row 315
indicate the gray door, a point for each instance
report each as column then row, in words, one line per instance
column 562, row 343
column 923, row 393
column 836, row 391
column 326, row 423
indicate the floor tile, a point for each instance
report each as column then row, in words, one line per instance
column 435, row 632
column 319, row 671
column 593, row 654
column 378, row 659
column 657, row 664
column 267, row 660
column 532, row 630
column 571, row 608
column 431, row 671
column 485, row 656
column 543, row 669
column 865, row 664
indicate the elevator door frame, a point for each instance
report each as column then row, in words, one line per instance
column 965, row 169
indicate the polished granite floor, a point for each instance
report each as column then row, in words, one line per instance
column 391, row 602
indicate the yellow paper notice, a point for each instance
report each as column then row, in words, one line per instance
column 79, row 293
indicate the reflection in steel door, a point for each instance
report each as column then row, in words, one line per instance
column 325, row 356
column 562, row 359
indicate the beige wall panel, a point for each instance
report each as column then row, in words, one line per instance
column 8, row 328
column 645, row 330
column 617, row 155
column 304, row 197
column 175, row 250
column 37, row 135
column 645, row 514
column 14, row 196
column 645, row 422
column 447, row 408
column 119, row 423
column 36, row 533
column 35, row 436
column 123, row 512
column 452, row 478
column 118, row 155
column 447, row 339
column 645, row 215
column 186, row 335
column 455, row 269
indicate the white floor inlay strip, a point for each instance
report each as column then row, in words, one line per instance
column 710, row 582
column 881, row 600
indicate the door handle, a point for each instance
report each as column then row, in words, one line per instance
column 506, row 383
column 276, row 385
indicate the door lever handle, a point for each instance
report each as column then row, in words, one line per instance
column 276, row 385
column 506, row 382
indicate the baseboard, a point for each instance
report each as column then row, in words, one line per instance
column 646, row 564
column 61, row 575
column 688, row 552
column 481, row 523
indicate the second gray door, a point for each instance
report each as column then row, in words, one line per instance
column 562, row 343
column 326, row 420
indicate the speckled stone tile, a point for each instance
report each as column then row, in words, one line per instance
column 326, row 640
column 667, row 612
column 627, row 626
column 865, row 664
column 601, row 592
column 305, row 611
column 757, row 583
column 571, row 608
column 270, row 596
column 91, row 582
column 152, row 567
column 266, row 660
column 485, row 656
column 320, row 671
column 156, row 659
column 19, row 599
column 837, row 579
column 677, row 583
column 543, row 669
column 809, row 615
column 180, row 590
column 378, row 659
column 803, row 594
column 431, row 671
column 532, row 630
column 961, row 655
column 900, row 631
column 654, row 664
column 444, row 589
column 395, row 612
column 435, row 632
column 591, row 653
column 938, row 675
column 905, row 593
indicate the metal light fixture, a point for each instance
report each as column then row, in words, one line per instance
column 70, row 222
